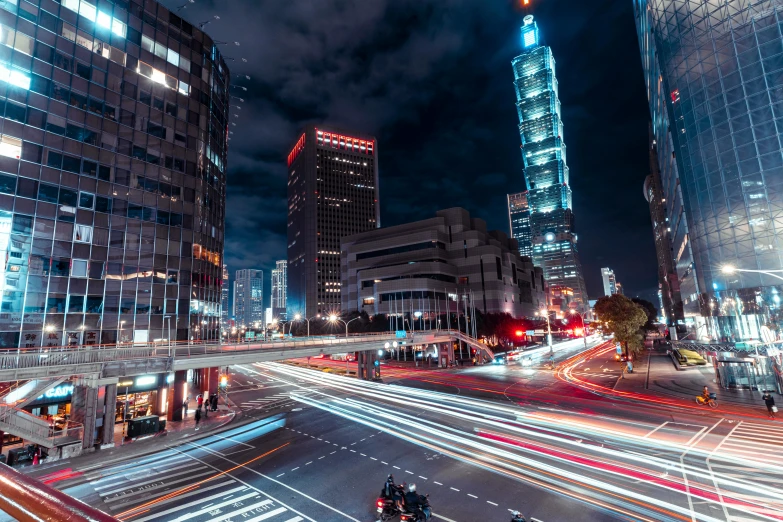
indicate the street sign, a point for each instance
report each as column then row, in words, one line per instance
column 530, row 332
column 402, row 334
column 619, row 347
column 539, row 332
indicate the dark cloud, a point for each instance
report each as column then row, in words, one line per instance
column 432, row 81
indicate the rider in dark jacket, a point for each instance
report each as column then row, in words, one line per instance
column 516, row 516
column 391, row 491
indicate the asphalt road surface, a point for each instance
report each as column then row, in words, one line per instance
column 481, row 441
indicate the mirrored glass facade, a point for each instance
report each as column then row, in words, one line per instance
column 552, row 232
column 112, row 174
column 715, row 81
column 519, row 221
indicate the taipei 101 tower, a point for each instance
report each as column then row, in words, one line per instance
column 552, row 231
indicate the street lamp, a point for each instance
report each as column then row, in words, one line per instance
column 298, row 317
column 584, row 328
column 728, row 269
column 417, row 315
column 545, row 313
column 334, row 319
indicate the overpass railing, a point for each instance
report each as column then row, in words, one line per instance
column 52, row 361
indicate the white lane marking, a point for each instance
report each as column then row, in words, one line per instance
column 280, row 475
column 488, row 502
column 455, row 489
column 438, row 483
column 296, row 468
column 474, row 496
column 308, row 463
column 282, row 484
column 244, row 510
column 382, row 462
column 425, row 478
column 191, row 493
column 144, row 478
column 147, row 490
column 234, row 440
column 362, row 454
column 410, row 472
column 443, row 518
column 373, row 458
column 396, row 467
column 332, row 453
column 295, row 519
column 184, row 506
column 123, row 474
column 323, row 457
column 200, row 512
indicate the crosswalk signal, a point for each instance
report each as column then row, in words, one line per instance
column 377, row 368
column 223, row 381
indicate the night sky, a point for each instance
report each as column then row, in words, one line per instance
column 432, row 80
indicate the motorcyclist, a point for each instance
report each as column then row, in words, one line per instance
column 415, row 503
column 391, row 491
column 516, row 516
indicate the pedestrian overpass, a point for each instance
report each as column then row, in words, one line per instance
column 106, row 361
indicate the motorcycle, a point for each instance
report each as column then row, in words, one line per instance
column 420, row 515
column 712, row 401
column 386, row 509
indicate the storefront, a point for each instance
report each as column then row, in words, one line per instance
column 54, row 404
column 141, row 396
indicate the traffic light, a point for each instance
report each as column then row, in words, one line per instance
column 224, row 381
column 377, row 368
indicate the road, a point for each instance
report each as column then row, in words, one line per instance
column 481, row 441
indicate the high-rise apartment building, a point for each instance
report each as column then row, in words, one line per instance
column 610, row 284
column 113, row 158
column 619, row 288
column 552, row 231
column 224, row 291
column 519, row 222
column 714, row 73
column 332, row 193
column 248, row 297
column 279, row 278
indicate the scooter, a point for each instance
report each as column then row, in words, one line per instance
column 420, row 515
column 712, row 401
column 386, row 509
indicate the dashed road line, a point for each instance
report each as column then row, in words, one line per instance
column 455, row 489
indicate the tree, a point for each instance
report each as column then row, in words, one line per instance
column 652, row 314
column 624, row 319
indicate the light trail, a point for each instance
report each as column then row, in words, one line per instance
column 559, row 465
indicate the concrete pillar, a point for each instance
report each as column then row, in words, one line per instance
column 176, row 395
column 214, row 379
column 159, row 407
column 109, row 410
column 84, row 403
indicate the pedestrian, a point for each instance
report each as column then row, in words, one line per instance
column 214, row 401
column 185, row 407
column 198, row 417
column 200, row 401
column 769, row 400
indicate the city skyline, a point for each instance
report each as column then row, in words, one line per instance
column 424, row 170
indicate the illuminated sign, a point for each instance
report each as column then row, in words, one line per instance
column 58, row 392
column 125, row 383
column 146, row 380
column 529, row 32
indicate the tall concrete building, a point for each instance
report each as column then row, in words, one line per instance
column 552, row 229
column 519, row 222
column 248, row 296
column 714, row 72
column 332, row 193
column 610, row 283
column 224, row 297
column 279, row 282
column 424, row 266
column 113, row 160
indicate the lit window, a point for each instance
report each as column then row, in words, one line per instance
column 7, row 35
column 14, row 77
column 73, row 5
column 184, row 88
column 173, row 57
column 79, row 268
column 68, row 32
column 82, row 234
column 104, row 20
column 160, row 50
column 87, row 10
column 147, row 43
column 158, row 76
column 10, row 147
column 118, row 28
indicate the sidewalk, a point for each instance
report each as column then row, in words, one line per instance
column 654, row 374
column 175, row 433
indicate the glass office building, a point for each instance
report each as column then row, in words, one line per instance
column 714, row 74
column 552, row 232
column 112, row 174
column 519, row 222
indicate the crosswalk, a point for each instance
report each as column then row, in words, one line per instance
column 277, row 400
column 179, row 485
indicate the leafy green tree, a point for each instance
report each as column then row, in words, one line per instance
column 652, row 314
column 624, row 319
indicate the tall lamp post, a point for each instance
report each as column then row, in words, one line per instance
column 334, row 319
column 545, row 313
column 298, row 317
column 584, row 327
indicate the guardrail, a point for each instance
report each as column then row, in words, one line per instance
column 28, row 500
column 35, row 429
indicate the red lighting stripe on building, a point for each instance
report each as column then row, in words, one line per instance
column 296, row 150
column 338, row 141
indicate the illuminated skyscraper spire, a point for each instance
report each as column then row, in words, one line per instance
column 546, row 172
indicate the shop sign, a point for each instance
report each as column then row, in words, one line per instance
column 58, row 392
column 146, row 380
column 125, row 383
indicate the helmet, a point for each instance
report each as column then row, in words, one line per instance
column 390, row 477
column 412, row 487
column 515, row 513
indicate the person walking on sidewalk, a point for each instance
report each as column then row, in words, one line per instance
column 200, row 400
column 206, row 406
column 769, row 400
column 185, row 407
column 198, row 417
column 214, row 400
